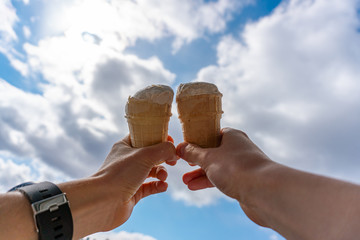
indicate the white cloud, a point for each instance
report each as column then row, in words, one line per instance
column 8, row 18
column 8, row 37
column 88, row 76
column 26, row 31
column 180, row 192
column 19, row 65
column 34, row 127
column 291, row 81
column 13, row 174
column 118, row 235
column 188, row 20
column 292, row 74
column 123, row 22
column 274, row 237
column 15, row 170
column 79, row 115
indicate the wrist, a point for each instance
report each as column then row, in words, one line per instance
column 267, row 185
column 251, row 177
column 89, row 203
column 257, row 186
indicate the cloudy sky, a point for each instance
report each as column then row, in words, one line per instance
column 288, row 70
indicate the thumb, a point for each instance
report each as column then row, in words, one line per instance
column 159, row 153
column 192, row 153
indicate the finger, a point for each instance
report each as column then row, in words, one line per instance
column 191, row 153
column 156, row 154
column 230, row 135
column 200, row 183
column 189, row 176
column 127, row 140
column 225, row 130
column 150, row 188
column 123, row 142
column 170, row 139
column 172, row 163
column 197, row 179
column 159, row 172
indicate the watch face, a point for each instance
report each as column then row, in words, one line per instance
column 20, row 185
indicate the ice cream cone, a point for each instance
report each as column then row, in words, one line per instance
column 148, row 120
column 200, row 113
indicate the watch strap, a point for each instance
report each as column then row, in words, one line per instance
column 55, row 225
column 40, row 191
column 55, row 222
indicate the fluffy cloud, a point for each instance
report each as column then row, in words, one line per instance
column 180, row 192
column 118, row 235
column 8, row 18
column 119, row 24
column 16, row 174
column 16, row 170
column 188, row 20
column 293, row 75
column 31, row 127
column 78, row 116
column 72, row 124
column 291, row 81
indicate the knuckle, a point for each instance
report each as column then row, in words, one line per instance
column 189, row 151
column 147, row 161
column 244, row 134
column 159, row 168
column 236, row 132
column 226, row 130
column 117, row 144
column 168, row 146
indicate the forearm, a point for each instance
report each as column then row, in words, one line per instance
column 300, row 205
column 87, row 203
column 16, row 217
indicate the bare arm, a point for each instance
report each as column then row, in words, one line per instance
column 100, row 202
column 301, row 205
column 16, row 216
column 296, row 204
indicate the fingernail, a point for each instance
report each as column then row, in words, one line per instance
column 186, row 180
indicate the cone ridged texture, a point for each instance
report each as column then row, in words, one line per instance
column 148, row 122
column 200, row 117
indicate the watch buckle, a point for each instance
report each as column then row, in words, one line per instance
column 49, row 204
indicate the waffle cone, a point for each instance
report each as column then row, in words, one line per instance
column 148, row 122
column 200, row 118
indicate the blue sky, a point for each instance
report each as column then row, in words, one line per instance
column 288, row 71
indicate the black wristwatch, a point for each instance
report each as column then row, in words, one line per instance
column 51, row 210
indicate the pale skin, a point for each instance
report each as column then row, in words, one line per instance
column 296, row 204
column 102, row 201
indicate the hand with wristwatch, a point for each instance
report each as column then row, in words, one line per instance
column 101, row 202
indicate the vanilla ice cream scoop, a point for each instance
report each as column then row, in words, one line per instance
column 196, row 88
column 160, row 94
